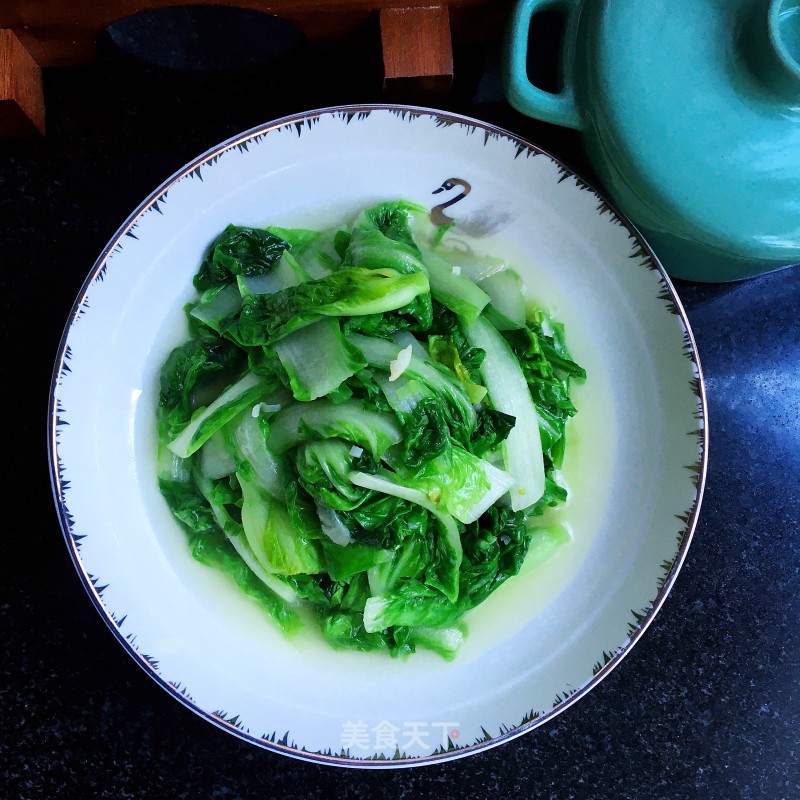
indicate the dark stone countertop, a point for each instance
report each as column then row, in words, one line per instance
column 705, row 706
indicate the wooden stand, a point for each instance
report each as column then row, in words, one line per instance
column 417, row 51
column 415, row 38
column 21, row 97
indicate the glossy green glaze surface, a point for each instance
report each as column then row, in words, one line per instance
column 690, row 114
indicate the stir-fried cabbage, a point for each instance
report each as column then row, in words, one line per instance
column 364, row 423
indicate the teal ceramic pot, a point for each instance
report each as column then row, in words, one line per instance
column 690, row 116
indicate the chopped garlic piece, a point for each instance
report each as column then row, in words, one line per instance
column 400, row 364
column 267, row 408
column 456, row 270
column 356, row 451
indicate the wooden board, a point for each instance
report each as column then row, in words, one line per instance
column 416, row 36
column 61, row 33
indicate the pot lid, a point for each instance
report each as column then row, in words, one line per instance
column 691, row 115
column 695, row 110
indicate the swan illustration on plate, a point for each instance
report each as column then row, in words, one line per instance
column 478, row 222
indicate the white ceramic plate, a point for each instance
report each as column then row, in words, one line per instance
column 635, row 463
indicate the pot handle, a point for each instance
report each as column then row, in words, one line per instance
column 561, row 108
